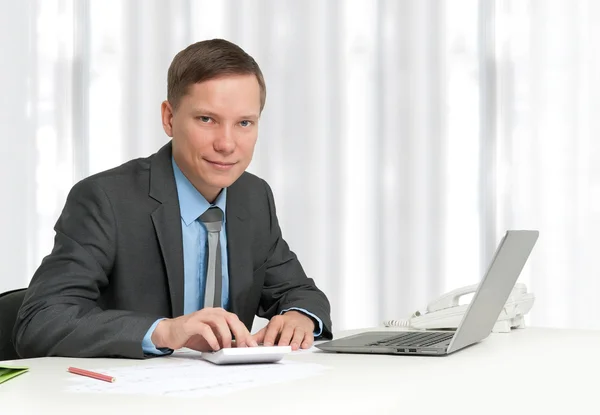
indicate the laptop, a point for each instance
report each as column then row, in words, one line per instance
column 478, row 321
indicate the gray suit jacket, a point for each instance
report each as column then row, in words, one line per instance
column 117, row 264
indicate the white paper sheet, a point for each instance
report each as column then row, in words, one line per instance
column 185, row 374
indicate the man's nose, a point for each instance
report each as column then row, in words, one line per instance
column 225, row 142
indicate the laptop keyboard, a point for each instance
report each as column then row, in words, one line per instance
column 414, row 339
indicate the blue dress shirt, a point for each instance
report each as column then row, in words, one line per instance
column 191, row 205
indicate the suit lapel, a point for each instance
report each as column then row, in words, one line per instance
column 239, row 252
column 167, row 224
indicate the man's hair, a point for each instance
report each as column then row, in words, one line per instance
column 207, row 60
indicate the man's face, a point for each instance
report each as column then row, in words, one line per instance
column 214, row 131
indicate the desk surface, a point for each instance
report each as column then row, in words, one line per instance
column 530, row 371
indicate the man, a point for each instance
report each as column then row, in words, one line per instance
column 181, row 249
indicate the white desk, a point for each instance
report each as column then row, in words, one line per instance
column 531, row 371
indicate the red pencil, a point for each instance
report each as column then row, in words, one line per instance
column 89, row 374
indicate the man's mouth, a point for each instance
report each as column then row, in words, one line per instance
column 220, row 164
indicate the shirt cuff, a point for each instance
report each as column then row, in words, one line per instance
column 316, row 333
column 148, row 347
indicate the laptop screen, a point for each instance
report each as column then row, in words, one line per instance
column 495, row 288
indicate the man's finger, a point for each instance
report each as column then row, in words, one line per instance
column 221, row 329
column 308, row 341
column 286, row 335
column 273, row 329
column 206, row 332
column 198, row 343
column 243, row 337
column 299, row 335
column 260, row 335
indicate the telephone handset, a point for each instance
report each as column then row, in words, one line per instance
column 446, row 312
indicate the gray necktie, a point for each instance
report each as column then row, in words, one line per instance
column 213, row 219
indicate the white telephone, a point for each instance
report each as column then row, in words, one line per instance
column 446, row 312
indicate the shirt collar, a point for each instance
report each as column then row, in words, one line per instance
column 191, row 202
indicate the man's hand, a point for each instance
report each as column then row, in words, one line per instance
column 209, row 329
column 292, row 328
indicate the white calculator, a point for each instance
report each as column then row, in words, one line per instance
column 241, row 355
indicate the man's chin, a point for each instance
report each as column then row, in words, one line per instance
column 223, row 182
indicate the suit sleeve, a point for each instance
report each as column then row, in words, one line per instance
column 286, row 285
column 60, row 315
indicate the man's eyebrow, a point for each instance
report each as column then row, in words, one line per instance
column 204, row 112
column 212, row 114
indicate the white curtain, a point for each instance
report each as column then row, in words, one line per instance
column 401, row 138
column 548, row 158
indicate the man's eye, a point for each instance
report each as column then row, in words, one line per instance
column 245, row 123
column 204, row 119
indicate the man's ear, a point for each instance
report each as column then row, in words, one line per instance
column 166, row 112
